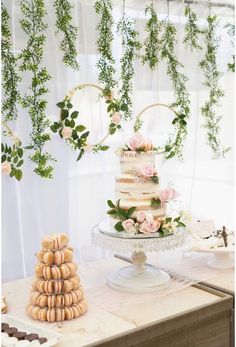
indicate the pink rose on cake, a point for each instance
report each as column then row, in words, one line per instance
column 168, row 194
column 136, row 142
column 149, row 226
column 66, row 133
column 116, row 118
column 147, row 170
column 6, row 168
column 141, row 216
column 129, row 226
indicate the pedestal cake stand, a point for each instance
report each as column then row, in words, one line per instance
column 139, row 277
column 222, row 258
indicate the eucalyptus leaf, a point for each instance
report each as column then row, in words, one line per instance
column 119, row 227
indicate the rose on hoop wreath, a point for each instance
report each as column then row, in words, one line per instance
column 76, row 134
column 174, row 143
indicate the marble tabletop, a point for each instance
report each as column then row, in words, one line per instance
column 110, row 312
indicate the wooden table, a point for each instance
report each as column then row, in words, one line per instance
column 194, row 316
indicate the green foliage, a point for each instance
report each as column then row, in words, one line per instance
column 13, row 155
column 192, row 31
column 10, row 77
column 104, row 44
column 182, row 102
column 63, row 10
column 32, row 23
column 78, row 139
column 153, row 43
column 115, row 105
column 116, row 211
column 155, row 202
column 130, row 44
column 212, row 77
column 231, row 32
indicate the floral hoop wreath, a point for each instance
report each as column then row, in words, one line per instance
column 178, row 118
column 76, row 135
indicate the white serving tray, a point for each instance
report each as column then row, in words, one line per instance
column 29, row 328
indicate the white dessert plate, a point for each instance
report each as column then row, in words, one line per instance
column 52, row 337
column 106, row 229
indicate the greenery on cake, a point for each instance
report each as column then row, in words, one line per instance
column 142, row 222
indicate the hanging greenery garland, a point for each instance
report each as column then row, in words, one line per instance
column 192, row 31
column 32, row 24
column 212, row 77
column 182, row 102
column 10, row 77
column 106, row 61
column 63, row 10
column 153, row 43
column 131, row 45
column 231, row 32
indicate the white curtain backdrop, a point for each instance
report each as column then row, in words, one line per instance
column 75, row 200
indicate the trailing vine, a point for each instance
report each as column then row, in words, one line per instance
column 153, row 43
column 182, row 102
column 63, row 10
column 192, row 31
column 212, row 77
column 106, row 61
column 33, row 25
column 231, row 32
column 10, row 77
column 130, row 46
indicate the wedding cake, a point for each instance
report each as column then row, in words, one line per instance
column 141, row 204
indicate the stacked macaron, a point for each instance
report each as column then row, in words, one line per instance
column 57, row 293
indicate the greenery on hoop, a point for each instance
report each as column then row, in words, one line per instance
column 13, row 155
column 10, row 77
column 106, row 61
column 130, row 44
column 63, row 10
column 212, row 77
column 77, row 134
column 33, row 25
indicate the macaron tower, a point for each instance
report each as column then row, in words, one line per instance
column 57, row 294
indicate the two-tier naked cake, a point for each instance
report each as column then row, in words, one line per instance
column 141, row 204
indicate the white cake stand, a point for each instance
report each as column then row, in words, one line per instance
column 139, row 277
column 222, row 257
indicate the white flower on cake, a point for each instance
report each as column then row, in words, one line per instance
column 149, row 226
column 6, row 168
column 129, row 226
column 139, row 143
column 66, row 133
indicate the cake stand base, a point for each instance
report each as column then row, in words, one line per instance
column 221, row 261
column 139, row 278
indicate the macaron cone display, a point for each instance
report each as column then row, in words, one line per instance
column 57, row 294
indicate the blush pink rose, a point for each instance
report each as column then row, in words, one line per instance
column 66, row 133
column 136, row 142
column 6, row 168
column 128, row 224
column 141, row 216
column 147, row 170
column 168, row 194
column 148, row 227
column 116, row 118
